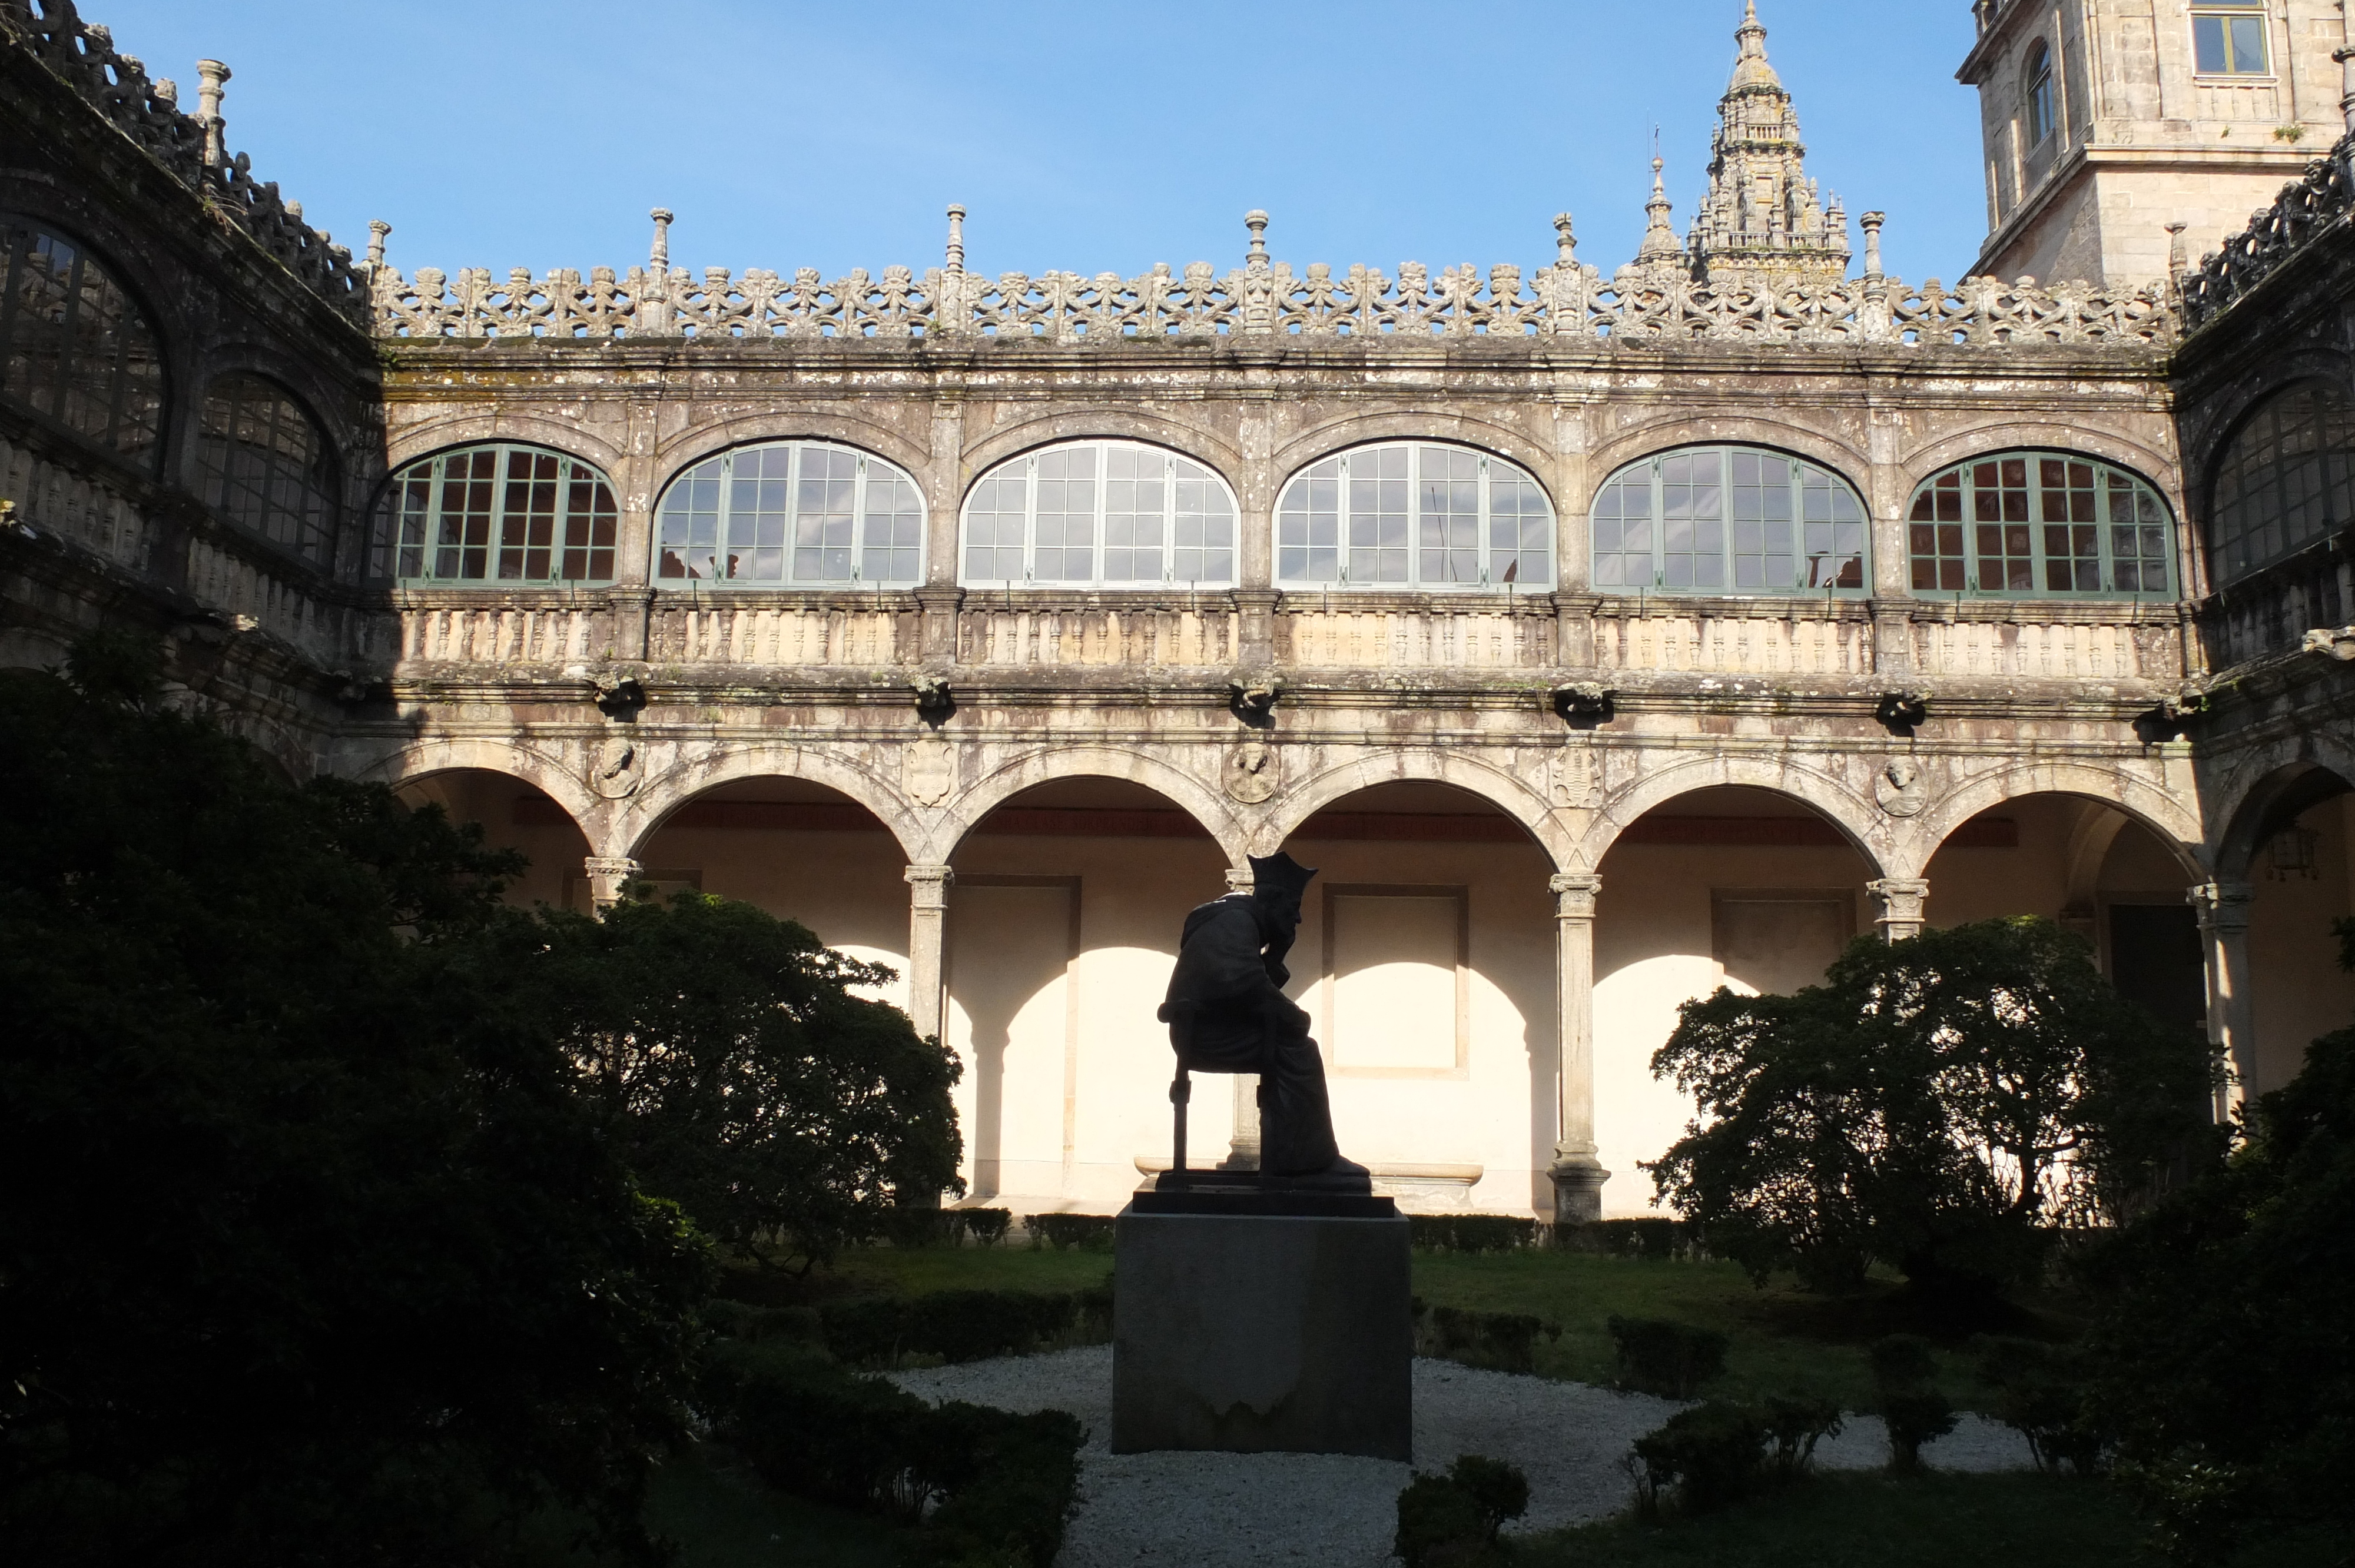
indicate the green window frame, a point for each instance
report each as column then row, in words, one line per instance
column 263, row 465
column 2286, row 479
column 2041, row 524
column 75, row 349
column 1733, row 520
column 497, row 515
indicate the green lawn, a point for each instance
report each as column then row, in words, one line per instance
column 1870, row 1521
column 1783, row 1341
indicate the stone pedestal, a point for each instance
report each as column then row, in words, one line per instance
column 1262, row 1332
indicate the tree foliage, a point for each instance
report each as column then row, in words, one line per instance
column 2225, row 1348
column 310, row 1249
column 744, row 1076
column 1936, row 1104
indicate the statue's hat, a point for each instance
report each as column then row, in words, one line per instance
column 1279, row 879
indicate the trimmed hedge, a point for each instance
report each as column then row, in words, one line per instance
column 1085, row 1233
column 963, row 1325
column 1505, row 1341
column 1452, row 1517
column 989, row 1486
column 1660, row 1356
column 1471, row 1232
column 1655, row 1240
column 1714, row 1455
column 915, row 1227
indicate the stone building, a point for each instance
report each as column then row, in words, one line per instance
column 1603, row 639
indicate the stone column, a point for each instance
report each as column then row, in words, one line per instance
column 1901, row 899
column 607, row 876
column 211, row 76
column 2232, row 1013
column 1578, row 1176
column 927, row 930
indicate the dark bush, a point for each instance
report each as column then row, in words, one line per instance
column 1471, row 1232
column 1504, row 1341
column 990, row 1487
column 960, row 1325
column 1708, row 1457
column 911, row 1227
column 1500, row 1489
column 743, row 1321
column 1655, row 1240
column 1796, row 1424
column 2041, row 1393
column 987, row 1227
column 1914, row 1418
column 1657, row 1355
column 1087, row 1232
column 1438, row 1522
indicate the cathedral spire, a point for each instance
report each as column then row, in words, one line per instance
column 1662, row 256
column 1764, row 221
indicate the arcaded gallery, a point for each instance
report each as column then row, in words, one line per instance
column 1602, row 638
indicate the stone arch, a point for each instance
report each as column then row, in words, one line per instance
column 1857, row 819
column 1667, row 434
column 1290, row 810
column 519, row 429
column 2285, row 788
column 693, row 445
column 2157, row 469
column 1348, row 431
column 665, row 792
column 1195, row 443
column 2174, row 824
column 963, row 811
column 452, row 753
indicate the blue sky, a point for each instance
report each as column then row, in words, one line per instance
column 1084, row 138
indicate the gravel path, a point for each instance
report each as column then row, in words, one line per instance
column 1244, row 1511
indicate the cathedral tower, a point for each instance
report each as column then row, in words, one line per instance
column 2106, row 121
column 1764, row 219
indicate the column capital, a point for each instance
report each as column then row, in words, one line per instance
column 1240, row 881
column 1575, row 894
column 1902, row 899
column 608, row 874
column 2223, row 907
column 932, row 885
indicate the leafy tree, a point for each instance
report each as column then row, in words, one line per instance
column 1936, row 1104
column 744, row 1078
column 2225, row 1347
column 310, row 1250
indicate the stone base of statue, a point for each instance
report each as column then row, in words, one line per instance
column 1250, row 1318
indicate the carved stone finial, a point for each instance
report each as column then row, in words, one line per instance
column 1256, row 222
column 211, row 76
column 295, row 210
column 2178, row 263
column 2345, row 61
column 956, row 238
column 1872, row 222
column 659, row 257
column 166, row 91
column 378, row 229
column 1565, row 243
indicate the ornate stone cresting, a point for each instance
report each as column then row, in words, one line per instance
column 83, row 55
column 1764, row 219
column 1566, row 300
column 2321, row 200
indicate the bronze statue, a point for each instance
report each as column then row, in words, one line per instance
column 1227, row 1013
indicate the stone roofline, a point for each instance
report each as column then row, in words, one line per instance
column 190, row 147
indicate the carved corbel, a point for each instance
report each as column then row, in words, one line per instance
column 1252, row 698
column 2332, row 643
column 1901, row 712
column 934, row 699
column 1583, row 704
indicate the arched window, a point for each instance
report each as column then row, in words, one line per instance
column 73, row 348
column 498, row 513
column 263, row 466
column 2037, row 105
column 2037, row 524
column 1414, row 516
column 1099, row 514
column 1738, row 520
column 2287, row 479
column 791, row 513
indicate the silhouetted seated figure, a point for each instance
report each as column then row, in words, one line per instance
column 1227, row 1013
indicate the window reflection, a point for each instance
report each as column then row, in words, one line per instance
column 1729, row 520
column 263, row 466
column 791, row 513
column 73, row 348
column 2030, row 525
column 1414, row 516
column 2287, row 479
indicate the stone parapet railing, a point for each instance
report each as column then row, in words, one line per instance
column 2305, row 207
column 2270, row 612
column 83, row 55
column 1803, row 639
column 1264, row 298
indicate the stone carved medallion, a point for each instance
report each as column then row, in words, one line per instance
column 1576, row 777
column 1901, row 788
column 930, row 771
column 1251, row 771
column 613, row 768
